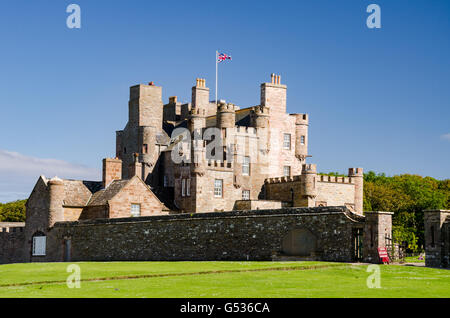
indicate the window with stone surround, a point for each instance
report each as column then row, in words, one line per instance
column 166, row 181
column 287, row 171
column 183, row 187
column 302, row 140
column 144, row 148
column 245, row 194
column 135, row 210
column 246, row 166
column 218, row 188
column 188, row 187
column 287, row 141
column 39, row 245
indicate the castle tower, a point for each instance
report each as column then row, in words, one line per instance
column 139, row 136
column 309, row 190
column 56, row 201
column 259, row 117
column 273, row 96
column 146, row 106
column 226, row 115
column 301, row 136
column 357, row 175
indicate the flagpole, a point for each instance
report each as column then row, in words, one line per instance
column 217, row 68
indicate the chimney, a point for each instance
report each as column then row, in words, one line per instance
column 112, row 170
column 172, row 99
column 135, row 168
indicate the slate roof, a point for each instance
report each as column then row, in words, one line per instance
column 103, row 196
column 78, row 192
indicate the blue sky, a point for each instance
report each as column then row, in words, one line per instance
column 377, row 98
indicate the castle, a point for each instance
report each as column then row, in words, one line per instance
column 260, row 161
column 178, row 160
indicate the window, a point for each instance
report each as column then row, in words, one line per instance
column 218, row 188
column 183, row 187
column 302, row 140
column 245, row 194
column 166, row 181
column 135, row 210
column 287, row 171
column 188, row 187
column 39, row 245
column 287, row 141
column 144, row 148
column 246, row 166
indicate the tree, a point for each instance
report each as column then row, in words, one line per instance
column 13, row 211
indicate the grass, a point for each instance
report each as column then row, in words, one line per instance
column 221, row 279
column 414, row 259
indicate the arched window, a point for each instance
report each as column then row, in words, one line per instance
column 39, row 244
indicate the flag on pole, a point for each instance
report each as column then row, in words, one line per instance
column 220, row 57
column 223, row 57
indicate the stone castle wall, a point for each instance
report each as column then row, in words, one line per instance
column 243, row 235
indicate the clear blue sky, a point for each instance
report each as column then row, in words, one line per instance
column 379, row 99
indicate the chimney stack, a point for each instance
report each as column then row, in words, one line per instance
column 112, row 170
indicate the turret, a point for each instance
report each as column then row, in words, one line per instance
column 56, row 201
column 301, row 136
column 226, row 116
column 309, row 189
column 357, row 176
column 259, row 117
column 196, row 119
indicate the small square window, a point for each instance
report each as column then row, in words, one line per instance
column 287, row 141
column 135, row 210
column 218, row 188
column 245, row 194
column 287, row 171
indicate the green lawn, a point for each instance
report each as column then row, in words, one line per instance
column 221, row 279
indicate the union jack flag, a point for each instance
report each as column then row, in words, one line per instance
column 222, row 57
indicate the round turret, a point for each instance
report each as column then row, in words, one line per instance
column 226, row 115
column 259, row 117
column 56, row 201
column 308, row 177
column 357, row 176
column 196, row 119
column 301, row 136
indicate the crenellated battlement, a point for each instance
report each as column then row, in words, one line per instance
column 197, row 112
column 301, row 119
column 226, row 107
column 246, row 130
column 261, row 110
column 309, row 168
column 220, row 164
column 334, row 179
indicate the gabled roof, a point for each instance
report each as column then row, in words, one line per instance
column 78, row 192
column 103, row 196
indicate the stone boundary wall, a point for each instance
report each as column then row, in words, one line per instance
column 235, row 235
